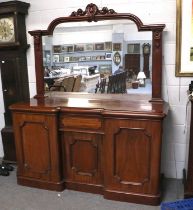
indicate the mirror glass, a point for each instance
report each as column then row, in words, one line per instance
column 98, row 57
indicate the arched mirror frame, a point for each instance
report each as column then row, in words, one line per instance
column 92, row 13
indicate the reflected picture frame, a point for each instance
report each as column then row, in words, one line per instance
column 66, row 59
column 89, row 47
column 117, row 46
column 184, row 31
column 56, row 58
column 108, row 56
column 78, row 47
column 99, row 46
column 108, row 46
column 57, row 49
column 47, row 56
column 117, row 58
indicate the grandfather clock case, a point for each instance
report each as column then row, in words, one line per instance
column 13, row 65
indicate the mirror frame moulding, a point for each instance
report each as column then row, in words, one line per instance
column 93, row 13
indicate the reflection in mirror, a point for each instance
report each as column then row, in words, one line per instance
column 98, row 57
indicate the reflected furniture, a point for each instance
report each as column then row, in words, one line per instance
column 65, row 84
column 146, row 55
column 101, row 143
column 132, row 62
column 117, row 83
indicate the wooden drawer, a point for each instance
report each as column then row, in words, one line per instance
column 72, row 121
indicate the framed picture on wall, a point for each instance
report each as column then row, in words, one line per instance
column 78, row 47
column 184, row 40
column 56, row 58
column 133, row 48
column 117, row 47
column 66, row 59
column 70, row 48
column 89, row 47
column 93, row 58
column 108, row 56
column 99, row 46
column 57, row 49
column 61, row 58
column 108, row 46
column 47, row 56
column 64, row 48
column 88, row 58
column 102, row 57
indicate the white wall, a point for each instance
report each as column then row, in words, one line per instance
column 174, row 89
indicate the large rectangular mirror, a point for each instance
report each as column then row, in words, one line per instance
column 104, row 57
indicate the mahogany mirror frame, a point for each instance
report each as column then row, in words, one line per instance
column 93, row 13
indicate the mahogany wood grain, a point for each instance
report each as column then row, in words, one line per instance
column 83, row 157
column 37, row 148
column 118, row 155
column 71, row 121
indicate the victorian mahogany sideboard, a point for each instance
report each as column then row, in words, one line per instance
column 106, row 146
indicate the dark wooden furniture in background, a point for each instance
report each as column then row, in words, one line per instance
column 89, row 142
column 132, row 61
column 188, row 185
column 14, row 73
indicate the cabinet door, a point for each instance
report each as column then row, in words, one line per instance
column 82, row 157
column 37, row 146
column 132, row 156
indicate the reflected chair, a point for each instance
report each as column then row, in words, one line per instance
column 65, row 84
column 77, row 83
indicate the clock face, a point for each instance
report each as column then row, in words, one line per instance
column 146, row 49
column 7, row 32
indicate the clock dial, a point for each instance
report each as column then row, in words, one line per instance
column 146, row 49
column 7, row 32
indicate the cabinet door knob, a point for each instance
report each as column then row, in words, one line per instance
column 5, row 90
column 2, row 61
column 26, row 165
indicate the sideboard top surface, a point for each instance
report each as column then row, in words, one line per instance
column 95, row 104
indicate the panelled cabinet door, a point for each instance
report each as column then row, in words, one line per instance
column 130, row 146
column 37, row 146
column 83, row 155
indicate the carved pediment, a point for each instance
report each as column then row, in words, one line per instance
column 92, row 10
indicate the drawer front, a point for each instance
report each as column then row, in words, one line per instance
column 94, row 123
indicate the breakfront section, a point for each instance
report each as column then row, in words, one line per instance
column 93, row 149
column 37, row 149
column 82, row 149
column 132, row 159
